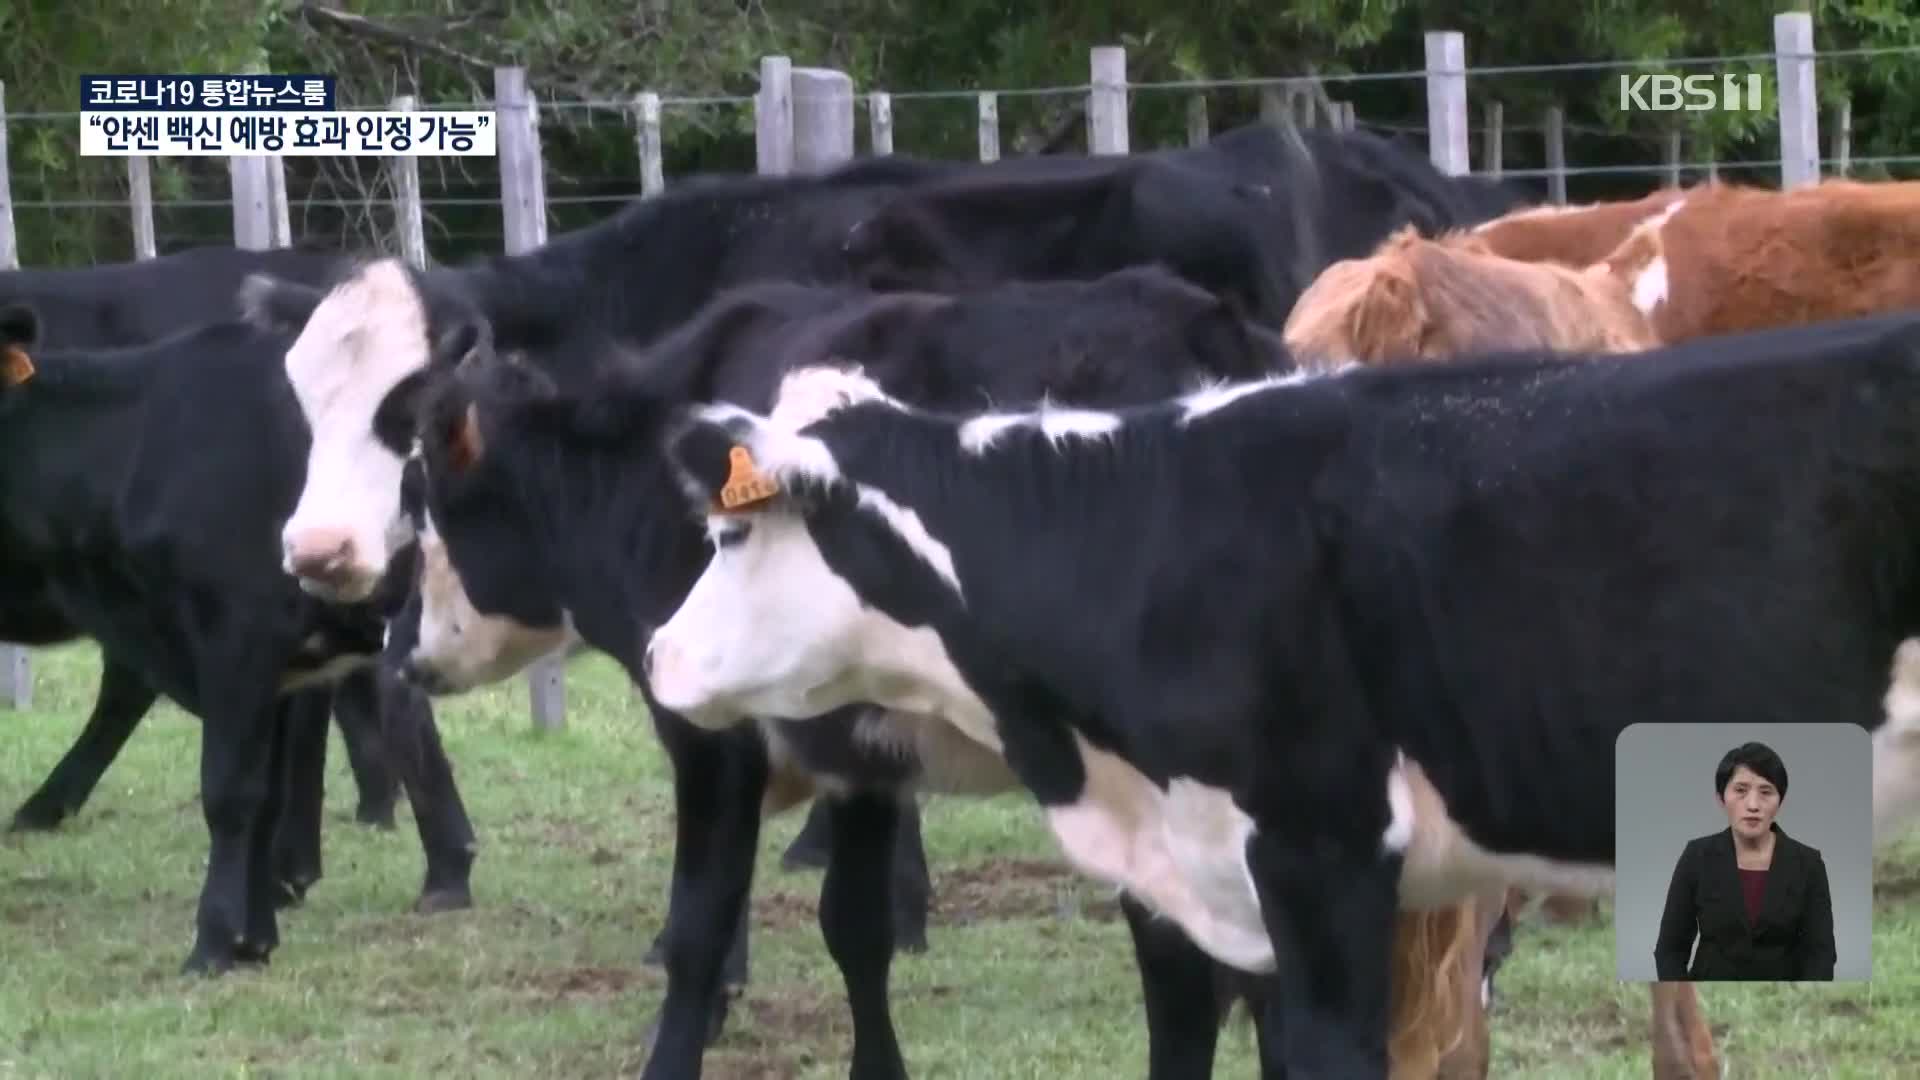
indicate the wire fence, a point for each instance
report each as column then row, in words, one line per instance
column 566, row 164
column 1511, row 121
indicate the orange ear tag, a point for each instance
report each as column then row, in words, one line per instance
column 16, row 366
column 746, row 484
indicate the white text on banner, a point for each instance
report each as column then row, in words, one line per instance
column 288, row 134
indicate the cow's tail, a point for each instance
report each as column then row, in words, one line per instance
column 1430, row 1009
column 1430, row 1013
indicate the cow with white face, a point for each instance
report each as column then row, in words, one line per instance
column 362, row 354
column 1288, row 656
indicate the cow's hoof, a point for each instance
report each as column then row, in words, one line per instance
column 291, row 892
column 437, row 901
column 375, row 815
column 37, row 817
column 208, row 961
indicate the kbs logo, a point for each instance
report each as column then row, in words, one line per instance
column 1692, row 93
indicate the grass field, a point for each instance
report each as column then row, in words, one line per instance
column 1029, row 974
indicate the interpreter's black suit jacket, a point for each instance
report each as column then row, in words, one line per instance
column 1792, row 940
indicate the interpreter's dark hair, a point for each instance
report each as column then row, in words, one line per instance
column 1756, row 756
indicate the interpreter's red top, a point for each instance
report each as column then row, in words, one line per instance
column 1753, row 883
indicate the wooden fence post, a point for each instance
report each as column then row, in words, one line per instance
column 1197, row 133
column 1843, row 140
column 523, row 211
column 653, row 176
column 1798, row 105
column 16, row 669
column 1492, row 154
column 989, row 126
column 1107, row 101
column 140, row 205
column 1447, row 101
column 409, row 217
column 880, row 122
column 1273, row 105
column 773, row 117
column 279, row 217
column 822, row 118
column 1555, row 134
column 252, row 201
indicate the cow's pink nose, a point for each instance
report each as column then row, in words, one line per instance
column 321, row 555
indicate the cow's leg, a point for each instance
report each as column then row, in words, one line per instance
column 1682, row 1042
column 297, row 718
column 912, row 883
column 124, row 698
column 360, row 729
column 300, row 787
column 719, row 780
column 912, row 890
column 439, row 814
column 236, row 761
column 1332, row 921
column 813, row 847
column 1178, row 986
column 855, row 902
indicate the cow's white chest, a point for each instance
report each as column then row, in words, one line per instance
column 1181, row 852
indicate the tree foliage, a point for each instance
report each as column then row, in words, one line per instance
column 602, row 51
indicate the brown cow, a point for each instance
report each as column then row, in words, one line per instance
column 1576, row 236
column 1415, row 298
column 1726, row 258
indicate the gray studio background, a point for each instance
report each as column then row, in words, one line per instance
column 1663, row 797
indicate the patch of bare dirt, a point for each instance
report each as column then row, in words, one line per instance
column 995, row 891
column 776, row 1032
column 569, row 984
column 1894, row 885
column 1007, row 889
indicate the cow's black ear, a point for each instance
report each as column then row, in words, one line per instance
column 715, row 471
column 469, row 339
column 276, row 306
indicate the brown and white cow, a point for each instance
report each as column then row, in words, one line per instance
column 1725, row 258
column 1575, row 236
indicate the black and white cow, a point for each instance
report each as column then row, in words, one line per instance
column 147, row 485
column 119, row 304
column 550, row 519
column 544, row 519
column 362, row 357
column 1287, row 656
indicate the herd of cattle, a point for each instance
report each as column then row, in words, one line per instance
column 1294, row 523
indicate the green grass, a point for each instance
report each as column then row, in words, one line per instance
column 1029, row 974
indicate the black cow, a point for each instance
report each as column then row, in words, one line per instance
column 554, row 525
column 1331, row 649
column 146, row 484
column 1255, row 214
column 130, row 304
